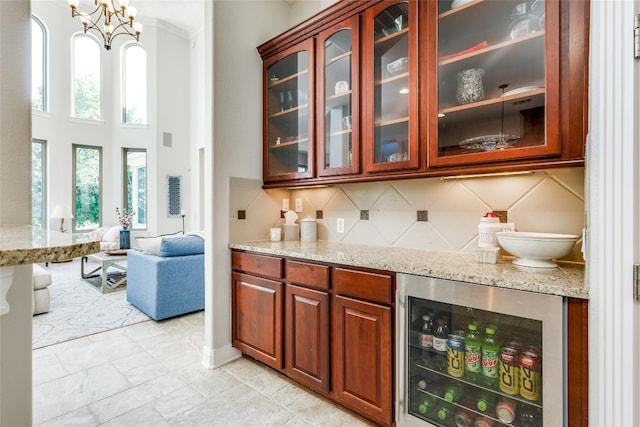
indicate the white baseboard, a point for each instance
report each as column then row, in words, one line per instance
column 214, row 358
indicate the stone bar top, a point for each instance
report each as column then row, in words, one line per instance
column 567, row 280
column 24, row 244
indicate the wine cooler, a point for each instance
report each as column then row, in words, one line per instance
column 474, row 355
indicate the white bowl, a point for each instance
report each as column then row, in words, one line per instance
column 536, row 249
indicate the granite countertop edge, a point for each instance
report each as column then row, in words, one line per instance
column 567, row 280
column 25, row 244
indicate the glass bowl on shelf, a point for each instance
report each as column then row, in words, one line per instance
column 498, row 141
column 398, row 66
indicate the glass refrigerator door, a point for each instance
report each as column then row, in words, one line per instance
column 480, row 360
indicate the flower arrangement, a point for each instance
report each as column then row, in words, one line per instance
column 125, row 218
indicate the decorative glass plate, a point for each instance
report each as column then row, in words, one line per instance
column 493, row 142
column 521, row 90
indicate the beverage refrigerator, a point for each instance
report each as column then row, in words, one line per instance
column 475, row 355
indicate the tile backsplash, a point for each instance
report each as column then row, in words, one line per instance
column 544, row 201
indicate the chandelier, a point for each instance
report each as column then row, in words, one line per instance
column 116, row 20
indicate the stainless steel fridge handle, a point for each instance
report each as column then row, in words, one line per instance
column 401, row 341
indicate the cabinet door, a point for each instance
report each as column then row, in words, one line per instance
column 257, row 318
column 390, row 65
column 288, row 114
column 338, row 95
column 362, row 357
column 307, row 336
column 497, row 91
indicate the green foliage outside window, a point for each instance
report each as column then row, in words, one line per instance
column 87, row 188
column 37, row 183
column 87, row 98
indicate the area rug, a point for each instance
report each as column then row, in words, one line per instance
column 78, row 309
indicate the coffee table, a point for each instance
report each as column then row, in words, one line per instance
column 100, row 277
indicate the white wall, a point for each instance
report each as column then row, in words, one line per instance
column 238, row 28
column 168, row 66
column 15, row 208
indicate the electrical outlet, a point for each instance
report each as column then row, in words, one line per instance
column 340, row 225
column 285, row 204
column 298, row 204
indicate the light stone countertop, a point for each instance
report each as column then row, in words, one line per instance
column 567, row 280
column 25, row 244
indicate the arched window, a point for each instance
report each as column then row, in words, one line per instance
column 39, row 50
column 134, row 84
column 86, row 99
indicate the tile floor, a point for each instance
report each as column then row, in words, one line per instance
column 149, row 374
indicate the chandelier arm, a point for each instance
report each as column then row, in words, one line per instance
column 124, row 30
column 74, row 12
column 105, row 39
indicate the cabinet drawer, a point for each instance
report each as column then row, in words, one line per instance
column 307, row 274
column 257, row 264
column 365, row 285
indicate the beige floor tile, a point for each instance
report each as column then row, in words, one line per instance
column 74, row 391
column 178, row 402
column 150, row 374
column 145, row 416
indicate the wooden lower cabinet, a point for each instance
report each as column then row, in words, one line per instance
column 257, row 318
column 307, row 336
column 362, row 341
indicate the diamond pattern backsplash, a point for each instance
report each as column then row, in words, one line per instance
column 544, row 201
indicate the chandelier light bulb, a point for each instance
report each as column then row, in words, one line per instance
column 73, row 3
column 124, row 4
column 132, row 11
column 137, row 27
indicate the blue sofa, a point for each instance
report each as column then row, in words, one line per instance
column 170, row 283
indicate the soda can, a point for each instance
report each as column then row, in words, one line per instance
column 530, row 378
column 455, row 354
column 509, row 370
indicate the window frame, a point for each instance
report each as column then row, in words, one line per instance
column 125, row 187
column 75, row 147
column 45, row 64
column 73, row 114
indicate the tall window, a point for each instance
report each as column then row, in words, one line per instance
column 87, row 179
column 38, row 65
column 134, row 84
column 86, row 78
column 135, row 181
column 38, row 182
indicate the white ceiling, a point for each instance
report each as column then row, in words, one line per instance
column 185, row 14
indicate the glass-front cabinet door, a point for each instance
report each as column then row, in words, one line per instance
column 390, row 87
column 289, row 113
column 497, row 88
column 338, row 109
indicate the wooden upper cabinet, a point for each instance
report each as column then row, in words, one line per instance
column 389, row 89
column 389, row 85
column 289, row 114
column 337, row 86
column 496, row 88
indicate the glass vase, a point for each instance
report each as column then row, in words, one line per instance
column 125, row 239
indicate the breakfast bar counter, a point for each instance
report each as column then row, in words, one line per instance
column 25, row 244
column 567, row 280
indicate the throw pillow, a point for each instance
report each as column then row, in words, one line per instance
column 151, row 245
column 112, row 234
column 181, row 245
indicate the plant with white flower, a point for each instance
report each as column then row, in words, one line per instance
column 125, row 218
